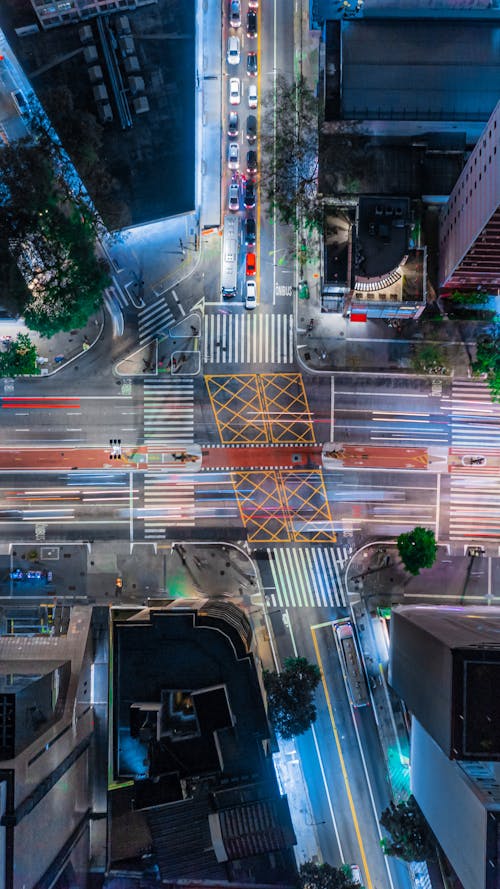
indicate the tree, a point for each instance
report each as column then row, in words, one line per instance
column 19, row 359
column 410, row 835
column 488, row 361
column 476, row 298
column 324, row 876
column 290, row 148
column 418, row 549
column 290, row 696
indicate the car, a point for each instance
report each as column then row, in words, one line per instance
column 251, row 161
column 389, row 210
column 233, row 158
column 249, row 198
column 252, row 95
column 234, row 196
column 234, row 91
column 251, row 127
column 251, row 23
column 233, row 124
column 372, row 229
column 233, row 50
column 355, row 875
column 250, row 231
column 379, row 210
column 235, row 13
column 251, row 294
column 251, row 64
column 250, row 264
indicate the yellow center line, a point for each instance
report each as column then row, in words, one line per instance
column 342, row 763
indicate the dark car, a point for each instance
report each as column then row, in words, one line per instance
column 251, row 128
column 252, row 64
column 251, row 24
column 249, row 199
column 251, row 161
column 250, row 231
column 232, row 126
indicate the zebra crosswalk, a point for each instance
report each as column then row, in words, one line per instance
column 248, row 338
column 168, row 411
column 310, row 577
column 474, row 507
column 475, row 419
column 166, row 504
column 154, row 319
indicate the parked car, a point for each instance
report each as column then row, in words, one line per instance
column 250, row 231
column 251, row 23
column 234, row 197
column 251, row 294
column 251, row 127
column 251, row 161
column 249, row 199
column 233, row 50
column 235, row 13
column 252, row 95
column 371, row 229
column 234, row 91
column 250, row 264
column 251, row 64
column 233, row 124
column 379, row 210
column 233, row 158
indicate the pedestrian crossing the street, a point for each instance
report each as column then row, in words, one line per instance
column 308, row 577
column 249, row 338
column 475, row 419
column 168, row 411
column 167, row 505
column 474, row 507
column 154, row 320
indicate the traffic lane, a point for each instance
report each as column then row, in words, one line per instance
column 358, row 826
column 355, row 425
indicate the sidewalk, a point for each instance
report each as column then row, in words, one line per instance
column 60, row 350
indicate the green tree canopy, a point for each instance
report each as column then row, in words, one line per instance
column 488, row 361
column 290, row 696
column 324, row 876
column 418, row 549
column 19, row 359
column 410, row 835
column 289, row 140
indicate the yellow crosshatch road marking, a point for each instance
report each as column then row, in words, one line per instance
column 287, row 410
column 262, row 510
column 261, row 409
column 305, row 496
column 237, row 406
column 281, row 507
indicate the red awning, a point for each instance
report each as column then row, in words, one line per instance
column 358, row 316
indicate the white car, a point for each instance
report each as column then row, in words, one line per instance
column 251, row 295
column 355, row 875
column 233, row 50
column 234, row 197
column 234, row 91
column 252, row 95
column 233, row 156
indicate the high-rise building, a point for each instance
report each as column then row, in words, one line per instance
column 445, row 664
column 469, row 236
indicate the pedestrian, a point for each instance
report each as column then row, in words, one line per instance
column 183, row 357
column 194, row 330
column 174, row 363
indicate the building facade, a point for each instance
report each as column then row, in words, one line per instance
column 469, row 236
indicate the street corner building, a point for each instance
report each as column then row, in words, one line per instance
column 445, row 665
column 193, row 788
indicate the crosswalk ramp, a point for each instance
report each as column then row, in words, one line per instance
column 168, row 411
column 154, row 320
column 166, row 505
column 309, row 577
column 248, row 338
column 474, row 507
column 474, row 417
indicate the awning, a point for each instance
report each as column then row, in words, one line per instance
column 358, row 316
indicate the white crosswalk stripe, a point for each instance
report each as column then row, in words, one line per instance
column 308, row 577
column 168, row 411
column 474, row 507
column 475, row 419
column 167, row 504
column 249, row 338
column 154, row 320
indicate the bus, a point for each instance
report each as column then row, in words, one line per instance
column 354, row 673
column 230, row 247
